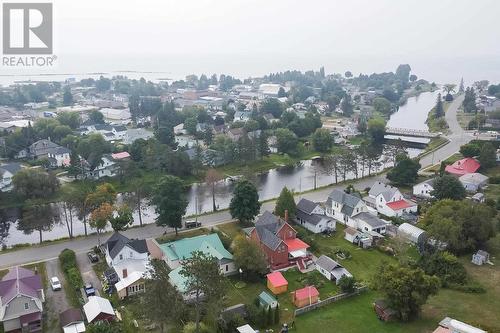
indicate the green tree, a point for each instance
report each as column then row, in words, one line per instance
column 96, row 117
column 99, row 218
column 190, row 125
column 322, row 140
column 285, row 202
column 470, row 150
column 287, row 141
column 71, row 119
column 104, row 327
column 38, row 217
column 245, row 203
column 439, row 110
column 35, row 183
column 141, row 192
column 405, row 172
column 462, row 225
column 382, row 105
column 347, row 284
column 123, row 219
column 161, row 303
column 249, row 257
column 445, row 266
column 376, row 129
column 92, row 148
column 406, row 289
column 67, row 96
column 449, row 89
column 346, row 106
column 204, row 282
column 170, row 202
column 487, row 156
column 448, row 187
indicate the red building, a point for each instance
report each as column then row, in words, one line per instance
column 278, row 240
column 463, row 167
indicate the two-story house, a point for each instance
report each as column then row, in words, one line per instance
column 130, row 260
column 389, row 201
column 7, row 172
column 344, row 207
column 45, row 149
column 278, row 240
column 424, row 189
column 21, row 301
column 312, row 216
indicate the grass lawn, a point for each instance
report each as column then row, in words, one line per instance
column 181, row 235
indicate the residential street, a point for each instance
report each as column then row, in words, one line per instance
column 83, row 244
column 56, row 300
column 458, row 137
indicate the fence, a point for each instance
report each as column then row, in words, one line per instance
column 327, row 301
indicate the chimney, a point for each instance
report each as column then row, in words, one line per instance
column 124, row 273
column 286, row 215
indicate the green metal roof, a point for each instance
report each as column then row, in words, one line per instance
column 178, row 280
column 183, row 249
column 266, row 298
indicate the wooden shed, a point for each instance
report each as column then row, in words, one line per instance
column 277, row 283
column 305, row 296
column 383, row 311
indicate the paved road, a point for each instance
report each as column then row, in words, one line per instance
column 458, row 137
column 57, row 301
column 88, row 274
column 83, row 244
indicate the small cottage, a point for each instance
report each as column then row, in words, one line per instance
column 305, row 296
column 277, row 283
column 331, row 269
column 98, row 309
column 473, row 182
column 480, row 257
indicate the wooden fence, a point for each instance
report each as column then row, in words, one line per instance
column 327, row 301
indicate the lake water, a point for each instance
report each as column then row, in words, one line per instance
column 300, row 177
column 413, row 114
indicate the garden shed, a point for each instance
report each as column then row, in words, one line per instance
column 277, row 283
column 305, row 296
column 266, row 300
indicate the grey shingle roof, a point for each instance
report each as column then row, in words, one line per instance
column 380, row 188
column 267, row 226
column 307, row 206
column 13, row 168
column 372, row 220
column 327, row 263
column 344, row 198
column 117, row 242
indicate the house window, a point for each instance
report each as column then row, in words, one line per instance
column 366, row 229
column 131, row 254
column 380, row 199
column 26, row 306
column 227, row 268
column 290, row 233
column 121, row 256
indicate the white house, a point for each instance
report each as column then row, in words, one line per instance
column 473, row 182
column 7, row 172
column 130, row 260
column 331, row 269
column 343, row 207
column 424, row 188
column 312, row 217
column 389, row 201
column 370, row 224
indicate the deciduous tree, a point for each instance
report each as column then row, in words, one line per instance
column 285, row 203
column 448, row 187
column 170, row 202
column 245, row 203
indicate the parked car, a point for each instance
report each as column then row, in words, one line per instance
column 92, row 257
column 192, row 224
column 55, row 284
column 89, row 289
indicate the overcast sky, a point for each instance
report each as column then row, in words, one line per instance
column 250, row 37
column 368, row 27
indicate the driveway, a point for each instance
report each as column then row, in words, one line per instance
column 88, row 274
column 56, row 300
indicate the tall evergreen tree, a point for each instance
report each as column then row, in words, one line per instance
column 439, row 107
column 285, row 202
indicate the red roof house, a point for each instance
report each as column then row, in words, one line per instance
column 277, row 283
column 463, row 167
column 305, row 296
column 278, row 240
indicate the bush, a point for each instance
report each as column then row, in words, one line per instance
column 347, row 284
column 472, row 288
column 67, row 258
column 494, row 180
column 74, row 277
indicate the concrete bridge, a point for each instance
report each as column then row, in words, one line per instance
column 411, row 132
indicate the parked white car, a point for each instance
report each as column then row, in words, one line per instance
column 55, row 283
